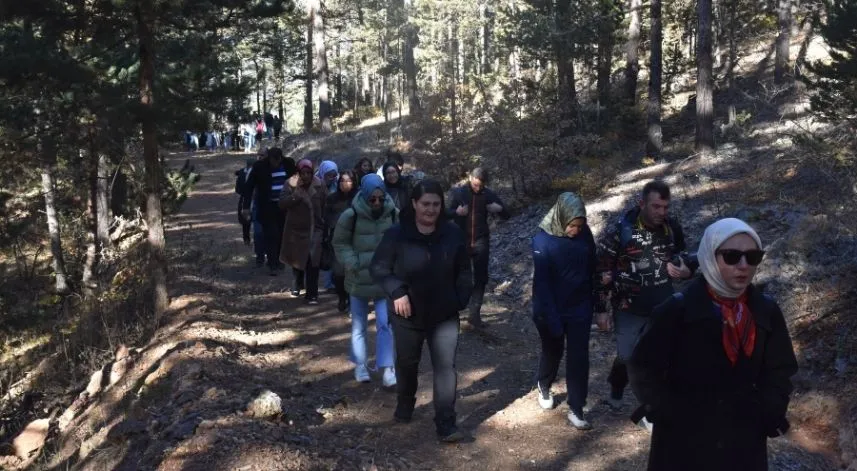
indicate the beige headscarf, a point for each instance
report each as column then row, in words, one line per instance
column 715, row 235
column 568, row 206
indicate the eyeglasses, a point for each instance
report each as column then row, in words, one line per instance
column 733, row 257
column 376, row 199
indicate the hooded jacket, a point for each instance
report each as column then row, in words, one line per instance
column 563, row 267
column 325, row 167
column 432, row 270
column 355, row 241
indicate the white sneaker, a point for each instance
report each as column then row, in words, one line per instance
column 645, row 424
column 578, row 422
column 361, row 374
column 389, row 377
column 545, row 397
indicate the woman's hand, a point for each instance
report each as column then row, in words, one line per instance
column 604, row 321
column 402, row 306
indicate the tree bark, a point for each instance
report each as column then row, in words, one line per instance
column 153, row 170
column 654, row 146
column 88, row 282
column 605, row 59
column 784, row 20
column 308, row 98
column 632, row 67
column 102, row 199
column 49, row 191
column 453, row 74
column 564, row 50
column 321, row 72
column 704, row 81
column 733, row 59
column 410, row 42
column 338, row 95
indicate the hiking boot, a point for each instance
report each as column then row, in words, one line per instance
column 404, row 411
column 453, row 435
column 578, row 421
column 389, row 379
column 545, row 397
column 313, row 301
column 295, row 292
column 615, row 404
column 361, row 374
column 342, row 306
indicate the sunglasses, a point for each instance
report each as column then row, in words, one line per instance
column 376, row 199
column 733, row 257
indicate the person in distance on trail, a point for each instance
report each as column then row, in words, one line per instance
column 241, row 177
column 303, row 199
column 363, row 168
column 357, row 235
column 423, row 267
column 713, row 370
column 639, row 258
column 398, row 186
column 327, row 172
column 278, row 127
column 563, row 302
column 337, row 202
column 266, row 182
column 469, row 206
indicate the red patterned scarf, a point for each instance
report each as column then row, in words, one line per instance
column 739, row 328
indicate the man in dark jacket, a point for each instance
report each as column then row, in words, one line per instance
column 241, row 177
column 469, row 206
column 638, row 259
column 265, row 183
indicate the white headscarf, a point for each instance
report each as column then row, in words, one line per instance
column 715, row 235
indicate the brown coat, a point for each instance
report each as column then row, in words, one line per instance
column 304, row 228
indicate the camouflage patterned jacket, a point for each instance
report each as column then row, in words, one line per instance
column 636, row 259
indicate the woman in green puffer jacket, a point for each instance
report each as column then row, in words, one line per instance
column 358, row 232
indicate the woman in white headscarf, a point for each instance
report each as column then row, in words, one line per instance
column 713, row 371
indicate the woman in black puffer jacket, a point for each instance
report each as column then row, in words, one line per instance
column 423, row 266
column 337, row 203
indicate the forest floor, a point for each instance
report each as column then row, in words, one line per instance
column 181, row 401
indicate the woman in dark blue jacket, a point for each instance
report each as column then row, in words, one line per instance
column 563, row 302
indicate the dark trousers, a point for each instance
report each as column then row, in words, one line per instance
column 479, row 257
column 307, row 278
column 272, row 219
column 442, row 342
column 575, row 342
column 245, row 223
column 339, row 284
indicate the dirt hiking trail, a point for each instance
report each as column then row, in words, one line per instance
column 234, row 332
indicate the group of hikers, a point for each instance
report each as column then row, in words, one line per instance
column 245, row 137
column 709, row 366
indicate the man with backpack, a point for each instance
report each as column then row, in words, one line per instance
column 639, row 257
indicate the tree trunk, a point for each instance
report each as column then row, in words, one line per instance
column 784, row 17
column 605, row 65
column 102, row 200
column 263, row 79
column 88, row 282
column 309, row 73
column 321, row 72
column 730, row 68
column 654, row 146
column 49, row 191
column 453, row 74
column 704, row 81
column 153, row 171
column 487, row 31
column 410, row 41
column 632, row 67
column 564, row 49
column 338, row 95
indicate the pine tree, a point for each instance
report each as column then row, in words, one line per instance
column 836, row 88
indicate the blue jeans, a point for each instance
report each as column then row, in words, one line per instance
column 383, row 339
column 327, row 278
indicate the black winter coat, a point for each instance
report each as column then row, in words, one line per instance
column 708, row 414
column 259, row 184
column 433, row 270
